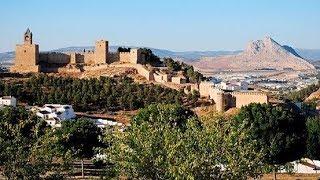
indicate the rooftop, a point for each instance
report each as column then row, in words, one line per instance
column 7, row 97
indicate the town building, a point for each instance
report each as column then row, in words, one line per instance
column 103, row 123
column 8, row 101
column 53, row 114
column 233, row 85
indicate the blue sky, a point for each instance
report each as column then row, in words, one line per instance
column 170, row 24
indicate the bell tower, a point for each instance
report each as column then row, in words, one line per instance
column 28, row 37
column 27, row 55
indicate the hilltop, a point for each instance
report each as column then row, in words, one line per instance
column 260, row 54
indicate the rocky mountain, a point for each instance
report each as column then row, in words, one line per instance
column 260, row 54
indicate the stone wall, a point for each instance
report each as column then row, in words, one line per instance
column 245, row 98
column 178, row 80
column 113, row 57
column 220, row 101
column 27, row 58
column 76, row 58
column 137, row 57
column 205, row 88
column 159, row 77
column 89, row 57
column 125, row 57
column 27, row 54
column 25, row 68
column 95, row 67
column 69, row 69
column 54, row 58
column 226, row 100
column 143, row 71
column 134, row 57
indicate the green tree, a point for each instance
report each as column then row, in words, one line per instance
column 171, row 64
column 150, row 57
column 301, row 95
column 114, row 93
column 313, row 138
column 167, row 142
column 79, row 138
column 279, row 131
column 22, row 138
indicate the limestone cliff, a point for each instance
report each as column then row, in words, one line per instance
column 260, row 54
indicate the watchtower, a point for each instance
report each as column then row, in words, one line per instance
column 27, row 55
column 101, row 52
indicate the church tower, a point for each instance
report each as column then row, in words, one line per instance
column 27, row 55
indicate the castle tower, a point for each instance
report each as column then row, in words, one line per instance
column 27, row 55
column 134, row 56
column 101, row 52
column 220, row 102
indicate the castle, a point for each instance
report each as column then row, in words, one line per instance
column 29, row 59
column 226, row 99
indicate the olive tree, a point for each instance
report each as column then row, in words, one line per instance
column 170, row 142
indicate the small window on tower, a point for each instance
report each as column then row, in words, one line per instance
column 25, row 51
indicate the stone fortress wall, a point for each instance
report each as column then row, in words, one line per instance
column 28, row 58
column 162, row 77
column 54, row 58
column 245, row 98
column 230, row 99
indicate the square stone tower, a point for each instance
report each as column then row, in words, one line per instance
column 101, row 52
column 136, row 57
column 27, row 55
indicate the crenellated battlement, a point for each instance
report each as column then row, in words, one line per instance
column 249, row 93
column 28, row 56
column 225, row 99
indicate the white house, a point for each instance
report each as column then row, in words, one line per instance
column 103, row 123
column 305, row 166
column 234, row 85
column 8, row 101
column 53, row 114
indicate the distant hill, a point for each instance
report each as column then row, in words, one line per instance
column 309, row 54
column 6, row 57
column 260, row 54
column 185, row 55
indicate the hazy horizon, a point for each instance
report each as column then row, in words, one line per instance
column 173, row 25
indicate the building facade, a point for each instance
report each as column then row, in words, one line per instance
column 27, row 55
column 8, row 101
